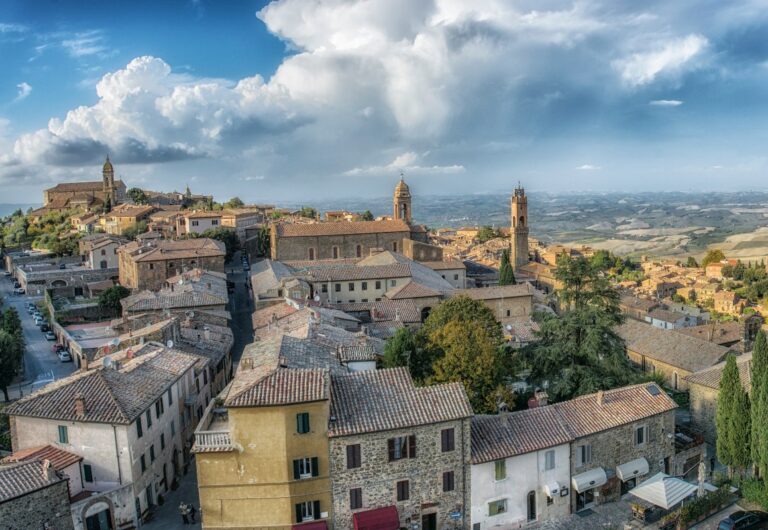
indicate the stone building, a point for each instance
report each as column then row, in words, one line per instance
column 64, row 278
column 87, row 196
column 673, row 354
column 507, row 301
column 519, row 229
column 636, row 307
column 147, row 265
column 183, row 295
column 123, row 217
column 99, row 251
column 399, row 453
column 619, row 437
column 33, row 495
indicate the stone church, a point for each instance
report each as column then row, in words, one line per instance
column 87, row 196
column 355, row 239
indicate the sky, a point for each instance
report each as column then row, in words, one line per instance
column 299, row 99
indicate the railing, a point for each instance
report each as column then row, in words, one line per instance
column 213, row 440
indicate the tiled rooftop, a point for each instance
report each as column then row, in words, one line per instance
column 341, row 228
column 59, row 458
column 166, row 249
column 22, row 478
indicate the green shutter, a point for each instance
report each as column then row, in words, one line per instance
column 296, row 472
column 315, row 467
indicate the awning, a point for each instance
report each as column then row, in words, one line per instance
column 379, row 519
column 312, row 525
column 552, row 489
column 632, row 469
column 664, row 491
column 594, row 478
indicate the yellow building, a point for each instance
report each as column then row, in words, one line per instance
column 123, row 217
column 262, row 446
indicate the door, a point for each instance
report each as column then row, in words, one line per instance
column 429, row 521
column 99, row 521
column 531, row 505
column 585, row 499
column 628, row 485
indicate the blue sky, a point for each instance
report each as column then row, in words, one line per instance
column 297, row 99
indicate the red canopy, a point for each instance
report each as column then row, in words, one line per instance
column 313, row 525
column 378, row 519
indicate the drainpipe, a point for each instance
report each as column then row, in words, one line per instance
column 117, row 456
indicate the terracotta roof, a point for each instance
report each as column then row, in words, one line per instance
column 97, row 185
column 499, row 291
column 666, row 315
column 382, row 400
column 444, row 265
column 20, row 479
column 167, row 249
column 129, row 210
column 347, row 273
column 59, row 458
column 711, row 378
column 116, row 396
column 411, row 289
column 385, row 310
column 634, row 302
column 202, row 215
column 152, row 301
column 670, row 347
column 282, row 387
column 341, row 228
column 716, row 332
column 585, row 415
column 516, row 433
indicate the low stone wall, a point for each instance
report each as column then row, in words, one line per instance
column 46, row 507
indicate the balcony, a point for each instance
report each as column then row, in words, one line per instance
column 212, row 434
column 687, row 438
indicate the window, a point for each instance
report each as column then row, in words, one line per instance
column 307, row 511
column 325, row 288
column 364, row 286
column 139, row 430
column 351, row 286
column 378, row 284
column 335, row 251
column 302, row 422
column 448, row 481
column 359, row 251
column 392, row 283
column 549, row 460
column 583, row 454
column 152, row 453
column 149, row 419
column 311, row 254
column 500, row 469
column 497, row 507
column 173, row 429
column 159, row 409
column 394, row 246
column 401, row 447
column 195, row 223
column 170, row 396
column 305, row 468
column 355, row 498
column 87, row 473
column 63, row 434
column 353, row 456
column 455, row 276
column 143, row 464
column 103, row 252
column 509, row 313
column 337, row 287
column 641, row 435
column 447, row 442
column 215, row 222
column 151, row 266
column 550, row 501
column 162, row 441
column 402, row 490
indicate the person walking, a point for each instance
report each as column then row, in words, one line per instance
column 184, row 511
column 192, row 512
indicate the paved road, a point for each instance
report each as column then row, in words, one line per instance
column 240, row 306
column 38, row 358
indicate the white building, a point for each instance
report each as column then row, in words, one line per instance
column 127, row 421
column 520, row 468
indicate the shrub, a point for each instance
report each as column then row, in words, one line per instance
column 754, row 490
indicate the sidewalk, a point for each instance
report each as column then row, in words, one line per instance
column 167, row 516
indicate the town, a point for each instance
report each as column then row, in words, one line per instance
column 167, row 359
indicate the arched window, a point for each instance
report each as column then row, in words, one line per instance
column 359, row 251
column 531, row 505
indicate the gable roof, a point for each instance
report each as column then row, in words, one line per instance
column 382, row 400
column 670, row 347
column 711, row 378
column 22, row 478
column 96, row 185
column 341, row 228
column 59, row 458
column 498, row 291
column 411, row 289
column 166, row 249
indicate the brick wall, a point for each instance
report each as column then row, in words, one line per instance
column 45, row 506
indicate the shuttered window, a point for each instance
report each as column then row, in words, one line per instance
column 401, row 447
column 307, row 511
column 305, row 468
column 447, row 440
column 403, row 493
column 353, row 456
column 549, row 460
column 448, row 481
column 302, row 422
column 63, row 434
column 500, row 469
column 355, row 498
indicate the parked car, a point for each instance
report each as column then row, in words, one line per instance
column 56, row 348
column 49, row 335
column 744, row 520
column 19, row 290
column 65, row 356
column 16, row 284
column 7, row 274
column 44, row 327
column 31, row 310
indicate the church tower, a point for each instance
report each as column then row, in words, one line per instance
column 402, row 202
column 108, row 175
column 519, row 229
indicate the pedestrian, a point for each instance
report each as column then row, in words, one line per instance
column 184, row 511
column 192, row 512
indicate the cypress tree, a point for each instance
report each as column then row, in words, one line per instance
column 760, row 403
column 726, row 411
column 506, row 272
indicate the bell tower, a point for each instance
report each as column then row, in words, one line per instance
column 108, row 176
column 402, row 202
column 519, row 228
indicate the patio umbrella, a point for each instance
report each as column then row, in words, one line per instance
column 664, row 491
column 702, row 477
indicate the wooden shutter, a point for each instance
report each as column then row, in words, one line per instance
column 353, row 456
column 412, row 446
column 355, row 498
column 315, row 467
column 391, row 449
column 298, row 513
column 316, row 509
column 296, row 471
column 448, row 484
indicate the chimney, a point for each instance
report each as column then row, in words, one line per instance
column 207, row 333
column 600, row 398
column 48, row 472
column 542, row 398
column 80, row 405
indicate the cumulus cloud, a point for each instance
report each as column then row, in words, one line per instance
column 406, row 163
column 665, row 103
column 588, row 167
column 24, row 90
column 672, row 57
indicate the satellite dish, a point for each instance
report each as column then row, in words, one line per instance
column 509, row 327
column 190, row 314
column 107, row 362
column 169, row 343
column 317, row 298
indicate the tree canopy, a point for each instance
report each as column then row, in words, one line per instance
column 137, row 195
column 234, row 202
column 366, row 216
column 109, row 299
column 713, row 256
column 486, row 233
column 506, row 272
column 11, row 348
column 732, row 419
column 226, row 236
column 759, row 398
column 308, row 212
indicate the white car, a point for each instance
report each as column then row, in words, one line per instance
column 64, row 356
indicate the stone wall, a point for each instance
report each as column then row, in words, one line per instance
column 297, row 248
column 419, row 251
column 616, row 446
column 47, row 506
column 377, row 477
column 674, row 377
column 152, row 274
column 703, row 406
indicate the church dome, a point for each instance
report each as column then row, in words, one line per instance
column 108, row 165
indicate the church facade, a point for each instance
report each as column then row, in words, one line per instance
column 87, row 196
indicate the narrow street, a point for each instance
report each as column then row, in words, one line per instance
column 39, row 360
column 240, row 307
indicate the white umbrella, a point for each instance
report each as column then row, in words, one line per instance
column 664, row 491
column 702, row 477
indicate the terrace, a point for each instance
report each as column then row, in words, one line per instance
column 212, row 434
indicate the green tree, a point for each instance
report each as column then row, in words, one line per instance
column 713, row 256
column 732, row 419
column 234, row 202
column 226, row 236
column 137, row 195
column 506, row 272
column 580, row 351
column 11, row 321
column 10, row 361
column 109, row 299
column 402, row 350
column 486, row 233
column 135, row 229
column 108, row 205
column 308, row 212
column 263, row 241
column 691, row 262
column 462, row 309
column 759, row 397
column 366, row 216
